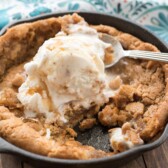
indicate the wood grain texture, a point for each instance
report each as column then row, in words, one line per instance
column 9, row 161
column 137, row 163
column 157, row 158
column 0, row 162
column 27, row 166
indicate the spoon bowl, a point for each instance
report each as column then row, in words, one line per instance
column 119, row 52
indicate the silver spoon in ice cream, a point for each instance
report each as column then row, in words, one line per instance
column 119, row 52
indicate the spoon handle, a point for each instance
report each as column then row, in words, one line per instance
column 155, row 56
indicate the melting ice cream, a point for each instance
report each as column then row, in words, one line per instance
column 67, row 68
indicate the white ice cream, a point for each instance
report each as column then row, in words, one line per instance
column 67, row 68
column 118, row 139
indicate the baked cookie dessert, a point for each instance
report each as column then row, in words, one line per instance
column 53, row 78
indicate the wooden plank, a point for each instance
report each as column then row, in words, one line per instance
column 9, row 161
column 0, row 163
column 157, row 158
column 27, row 166
column 137, row 163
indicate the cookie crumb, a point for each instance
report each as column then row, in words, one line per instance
column 87, row 124
column 115, row 83
column 18, row 80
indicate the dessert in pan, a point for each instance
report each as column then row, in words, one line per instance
column 53, row 78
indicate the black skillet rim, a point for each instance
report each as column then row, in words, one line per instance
column 6, row 147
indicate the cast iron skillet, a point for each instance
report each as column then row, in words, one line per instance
column 97, row 136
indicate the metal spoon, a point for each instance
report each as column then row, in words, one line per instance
column 120, row 53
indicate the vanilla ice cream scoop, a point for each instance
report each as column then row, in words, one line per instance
column 66, row 69
column 121, row 140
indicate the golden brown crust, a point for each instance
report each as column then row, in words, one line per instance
column 155, row 120
column 17, row 80
column 9, row 99
column 24, row 40
column 21, row 134
column 128, row 41
column 87, row 124
column 111, row 116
